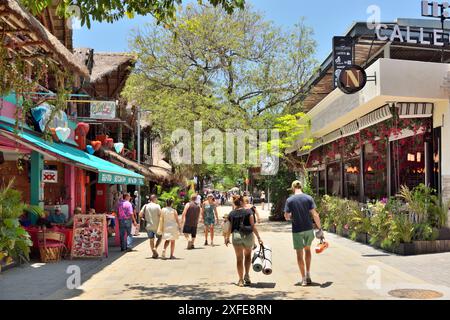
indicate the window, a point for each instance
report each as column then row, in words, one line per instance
column 352, row 179
column 375, row 170
column 408, row 162
column 334, row 179
column 321, row 182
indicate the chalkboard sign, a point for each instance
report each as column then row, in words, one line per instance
column 342, row 56
column 89, row 236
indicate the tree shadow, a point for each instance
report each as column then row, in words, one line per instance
column 202, row 291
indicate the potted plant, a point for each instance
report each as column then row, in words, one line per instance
column 15, row 242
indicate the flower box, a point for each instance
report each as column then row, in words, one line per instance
column 422, row 247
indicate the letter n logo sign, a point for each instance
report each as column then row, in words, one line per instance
column 352, row 79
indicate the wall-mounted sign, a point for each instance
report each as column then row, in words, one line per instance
column 343, row 53
column 50, row 176
column 105, row 110
column 352, row 79
column 110, row 178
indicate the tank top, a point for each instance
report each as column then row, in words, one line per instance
column 192, row 214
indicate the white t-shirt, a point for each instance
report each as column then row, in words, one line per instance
column 152, row 213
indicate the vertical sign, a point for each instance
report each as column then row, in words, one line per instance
column 342, row 56
column 89, row 236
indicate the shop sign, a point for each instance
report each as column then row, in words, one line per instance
column 352, row 79
column 49, row 176
column 109, row 178
column 105, row 110
column 342, row 55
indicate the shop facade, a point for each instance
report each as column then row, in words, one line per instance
column 393, row 132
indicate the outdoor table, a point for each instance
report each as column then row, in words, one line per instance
column 33, row 232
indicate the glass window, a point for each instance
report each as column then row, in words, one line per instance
column 313, row 176
column 375, row 170
column 334, row 179
column 408, row 162
column 321, row 182
column 352, row 179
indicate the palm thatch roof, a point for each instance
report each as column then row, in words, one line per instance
column 105, row 63
column 27, row 37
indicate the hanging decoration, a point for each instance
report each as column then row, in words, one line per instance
column 80, row 134
column 96, row 145
column 54, row 135
column 119, row 147
column 90, row 149
column 63, row 133
column 109, row 143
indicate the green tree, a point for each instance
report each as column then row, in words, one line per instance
column 235, row 71
column 113, row 10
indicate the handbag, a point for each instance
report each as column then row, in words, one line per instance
column 160, row 226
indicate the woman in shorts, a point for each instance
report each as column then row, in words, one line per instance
column 243, row 227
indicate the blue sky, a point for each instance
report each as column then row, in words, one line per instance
column 327, row 17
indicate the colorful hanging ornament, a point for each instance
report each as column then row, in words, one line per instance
column 54, row 135
column 90, row 149
column 96, row 145
column 63, row 133
column 118, row 147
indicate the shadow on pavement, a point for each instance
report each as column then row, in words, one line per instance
column 263, row 285
column 317, row 285
column 202, row 291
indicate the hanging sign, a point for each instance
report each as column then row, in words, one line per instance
column 111, row 178
column 105, row 110
column 50, row 176
column 352, row 79
column 89, row 236
column 342, row 55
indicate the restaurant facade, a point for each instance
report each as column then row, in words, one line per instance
column 395, row 131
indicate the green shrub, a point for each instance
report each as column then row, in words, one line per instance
column 402, row 229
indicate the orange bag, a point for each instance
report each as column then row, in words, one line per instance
column 322, row 246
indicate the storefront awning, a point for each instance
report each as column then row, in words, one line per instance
column 108, row 173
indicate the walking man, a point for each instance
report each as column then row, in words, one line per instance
column 190, row 217
column 126, row 219
column 152, row 214
column 299, row 208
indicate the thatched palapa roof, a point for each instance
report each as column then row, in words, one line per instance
column 27, row 37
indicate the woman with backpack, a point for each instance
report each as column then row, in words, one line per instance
column 242, row 224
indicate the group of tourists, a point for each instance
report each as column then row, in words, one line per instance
column 239, row 227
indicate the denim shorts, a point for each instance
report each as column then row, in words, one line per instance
column 152, row 235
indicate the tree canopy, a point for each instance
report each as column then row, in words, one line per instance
column 230, row 71
column 113, row 10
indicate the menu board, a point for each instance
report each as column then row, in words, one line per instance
column 89, row 234
column 342, row 56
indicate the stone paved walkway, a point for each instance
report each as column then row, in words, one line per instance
column 347, row 270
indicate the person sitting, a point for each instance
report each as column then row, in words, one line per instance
column 57, row 218
column 69, row 223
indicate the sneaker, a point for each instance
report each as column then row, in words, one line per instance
column 304, row 283
column 308, row 281
column 173, row 258
column 163, row 254
column 189, row 245
column 155, row 254
column 206, row 242
column 192, row 246
column 240, row 283
column 247, row 281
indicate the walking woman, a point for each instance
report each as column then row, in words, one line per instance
column 243, row 227
column 252, row 208
column 169, row 228
column 210, row 217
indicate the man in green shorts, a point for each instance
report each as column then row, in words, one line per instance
column 299, row 208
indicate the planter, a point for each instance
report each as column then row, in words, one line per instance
column 422, row 247
column 5, row 266
column 362, row 238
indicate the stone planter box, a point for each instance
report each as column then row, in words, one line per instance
column 422, row 247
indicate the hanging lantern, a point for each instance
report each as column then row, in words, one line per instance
column 119, row 147
column 96, row 145
column 90, row 149
column 63, row 133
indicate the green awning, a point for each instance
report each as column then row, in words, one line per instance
column 108, row 173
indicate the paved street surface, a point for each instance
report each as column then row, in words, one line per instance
column 347, row 270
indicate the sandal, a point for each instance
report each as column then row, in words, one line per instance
column 247, row 281
column 240, row 283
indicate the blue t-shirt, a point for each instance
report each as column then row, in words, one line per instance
column 300, row 206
